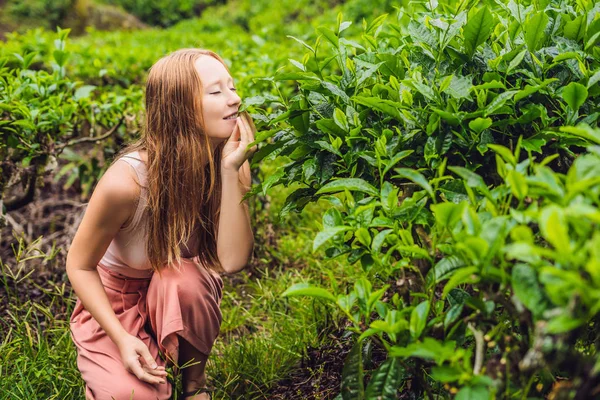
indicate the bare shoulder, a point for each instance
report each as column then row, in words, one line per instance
column 119, row 185
column 111, row 206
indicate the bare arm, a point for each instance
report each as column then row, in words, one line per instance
column 111, row 205
column 235, row 239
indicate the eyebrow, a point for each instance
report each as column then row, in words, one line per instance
column 217, row 81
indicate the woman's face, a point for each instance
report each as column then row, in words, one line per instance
column 219, row 99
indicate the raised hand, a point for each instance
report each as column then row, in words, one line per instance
column 235, row 152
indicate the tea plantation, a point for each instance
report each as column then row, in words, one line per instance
column 425, row 199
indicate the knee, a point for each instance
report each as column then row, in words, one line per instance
column 191, row 281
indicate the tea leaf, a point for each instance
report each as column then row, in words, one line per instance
column 329, row 35
column 554, row 228
column 473, row 393
column 518, row 184
column 352, row 374
column 516, row 61
column 499, row 101
column 356, row 184
column 575, row 95
column 388, row 107
column 416, row 177
column 534, row 30
column 478, row 29
column 340, row 119
column 480, row 124
column 460, row 276
column 575, row 29
column 385, row 381
column 418, row 319
column 327, row 234
column 304, row 289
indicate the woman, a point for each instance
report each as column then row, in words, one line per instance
column 146, row 258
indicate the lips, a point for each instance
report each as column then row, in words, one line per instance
column 234, row 114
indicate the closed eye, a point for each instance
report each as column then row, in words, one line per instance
column 234, row 89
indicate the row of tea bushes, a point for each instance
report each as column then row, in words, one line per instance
column 459, row 149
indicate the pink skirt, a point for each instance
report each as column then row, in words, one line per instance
column 158, row 310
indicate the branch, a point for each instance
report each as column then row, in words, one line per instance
column 18, row 202
column 108, row 133
column 478, row 349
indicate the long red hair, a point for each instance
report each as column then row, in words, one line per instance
column 184, row 185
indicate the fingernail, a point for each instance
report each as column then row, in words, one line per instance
column 154, row 366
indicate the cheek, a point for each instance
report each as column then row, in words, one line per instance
column 209, row 110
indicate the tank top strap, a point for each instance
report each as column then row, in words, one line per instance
column 134, row 159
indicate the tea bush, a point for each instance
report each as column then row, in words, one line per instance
column 457, row 145
column 462, row 140
column 49, row 12
column 164, row 12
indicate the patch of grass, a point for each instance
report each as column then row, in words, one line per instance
column 263, row 336
column 38, row 355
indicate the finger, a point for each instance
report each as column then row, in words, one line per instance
column 160, row 371
column 251, row 129
column 147, row 357
column 250, row 126
column 142, row 375
column 250, row 122
column 236, row 130
column 243, row 133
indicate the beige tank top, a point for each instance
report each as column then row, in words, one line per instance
column 126, row 253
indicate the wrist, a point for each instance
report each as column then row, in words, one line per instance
column 225, row 171
column 118, row 337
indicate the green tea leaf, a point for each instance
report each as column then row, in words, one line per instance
column 562, row 324
column 388, row 107
column 584, row 131
column 499, row 101
column 443, row 269
column 518, row 184
column 302, row 43
column 385, row 381
column 355, row 184
column 478, row 29
column 418, row 319
column 480, row 124
column 447, row 214
column 327, row 234
column 445, row 374
column 554, row 228
column 460, row 276
column 516, row 61
column 305, row 289
column 534, row 30
column 83, row 92
column 416, row 177
column 352, row 374
column 473, row 393
column 528, row 290
column 574, row 95
column 575, row 29
column 429, row 349
column 329, row 35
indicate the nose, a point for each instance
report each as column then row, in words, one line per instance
column 234, row 99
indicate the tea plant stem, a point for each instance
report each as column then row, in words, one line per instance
column 526, row 390
column 478, row 349
column 92, row 139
